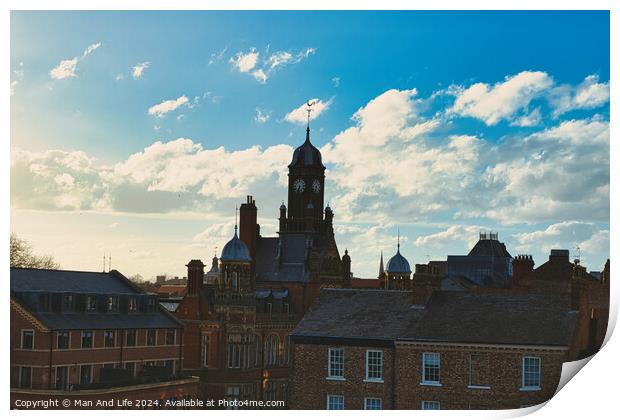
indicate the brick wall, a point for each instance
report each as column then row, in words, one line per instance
column 310, row 386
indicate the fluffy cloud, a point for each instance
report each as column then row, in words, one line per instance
column 300, row 114
column 503, row 100
column 139, row 68
column 245, row 61
column 588, row 94
column 64, row 69
column 262, row 70
column 164, row 107
column 67, row 68
column 442, row 239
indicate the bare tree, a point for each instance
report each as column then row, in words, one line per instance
column 23, row 257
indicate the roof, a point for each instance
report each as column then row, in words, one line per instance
column 306, row 154
column 398, row 264
column 235, row 250
column 172, row 289
column 449, row 316
column 358, row 283
column 359, row 314
column 284, row 258
column 489, row 318
column 488, row 248
column 27, row 285
column 30, row 279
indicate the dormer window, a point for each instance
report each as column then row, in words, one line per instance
column 112, row 304
column 91, row 303
column 133, row 304
column 152, row 304
column 44, row 302
column 67, row 302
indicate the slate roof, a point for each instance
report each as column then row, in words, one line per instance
column 398, row 264
column 488, row 248
column 235, row 250
column 291, row 264
column 28, row 284
column 454, row 317
column 307, row 154
column 359, row 314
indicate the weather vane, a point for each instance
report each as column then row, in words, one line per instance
column 309, row 110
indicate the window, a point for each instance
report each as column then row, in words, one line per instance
column 171, row 337
column 372, row 404
column 62, row 378
column 108, row 339
column 335, row 402
column 67, row 303
column 108, row 365
column 44, row 302
column 272, row 391
column 169, row 365
column 234, row 282
column 151, row 337
column 62, row 339
column 91, row 303
column 430, row 368
column 87, row 339
column 27, row 339
column 286, row 308
column 374, row 365
column 86, row 372
column 335, row 364
column 206, row 344
column 131, row 338
column 531, row 373
column 232, row 394
column 112, row 304
column 131, row 367
column 479, row 376
column 272, row 347
column 243, row 351
column 430, row 405
column 25, row 377
column 152, row 304
column 133, row 304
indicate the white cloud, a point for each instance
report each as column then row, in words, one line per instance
column 588, row 94
column 442, row 239
column 245, row 61
column 217, row 57
column 261, row 116
column 532, row 119
column 336, row 81
column 261, row 71
column 503, row 100
column 91, row 48
column 164, row 107
column 19, row 76
column 300, row 114
column 14, row 84
column 139, row 68
column 119, row 77
column 65, row 69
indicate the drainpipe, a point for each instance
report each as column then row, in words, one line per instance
column 49, row 375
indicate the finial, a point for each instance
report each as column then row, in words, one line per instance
column 309, row 110
column 398, row 240
column 236, row 211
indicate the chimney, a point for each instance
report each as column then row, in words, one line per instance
column 425, row 282
column 247, row 225
column 522, row 270
column 195, row 277
column 559, row 255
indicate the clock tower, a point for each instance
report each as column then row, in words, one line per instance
column 306, row 182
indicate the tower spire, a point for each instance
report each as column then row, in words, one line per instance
column 309, row 110
column 398, row 240
column 236, row 211
column 381, row 269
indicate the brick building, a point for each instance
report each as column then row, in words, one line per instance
column 85, row 333
column 368, row 349
column 238, row 321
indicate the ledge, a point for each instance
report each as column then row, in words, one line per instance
column 436, row 384
column 374, row 380
column 529, row 389
column 335, row 378
column 478, row 387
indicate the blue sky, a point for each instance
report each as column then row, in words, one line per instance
column 442, row 123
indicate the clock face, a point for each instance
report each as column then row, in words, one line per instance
column 299, row 186
column 316, row 186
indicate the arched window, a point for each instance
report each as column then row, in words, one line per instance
column 234, row 351
column 243, row 351
column 271, row 350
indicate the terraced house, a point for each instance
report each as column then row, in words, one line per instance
column 88, row 336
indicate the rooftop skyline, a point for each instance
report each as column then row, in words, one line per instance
column 136, row 134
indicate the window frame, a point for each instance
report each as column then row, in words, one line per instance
column 131, row 333
column 329, row 364
column 174, row 340
column 525, row 387
column 90, row 374
column 367, row 366
column 92, row 339
column 21, row 376
column 58, row 347
column 329, row 396
column 21, row 343
column 154, row 337
column 368, row 399
column 426, row 381
column 472, row 385
column 105, row 338
column 426, row 403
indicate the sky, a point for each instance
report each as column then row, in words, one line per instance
column 136, row 134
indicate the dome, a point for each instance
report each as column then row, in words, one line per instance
column 235, row 250
column 398, row 264
column 306, row 154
